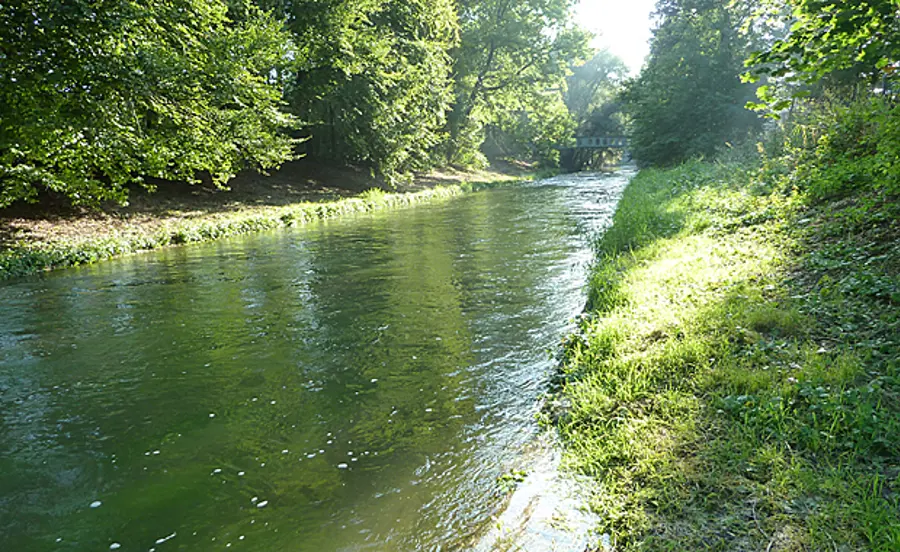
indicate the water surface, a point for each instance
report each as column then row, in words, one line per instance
column 357, row 384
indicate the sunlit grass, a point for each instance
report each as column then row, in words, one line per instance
column 709, row 393
column 28, row 257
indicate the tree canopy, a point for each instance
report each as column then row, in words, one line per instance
column 831, row 35
column 509, row 72
column 373, row 80
column 689, row 99
column 827, row 44
column 96, row 95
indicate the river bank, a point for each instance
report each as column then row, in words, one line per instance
column 734, row 385
column 44, row 237
column 368, row 383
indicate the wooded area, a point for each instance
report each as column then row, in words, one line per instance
column 734, row 383
column 96, row 96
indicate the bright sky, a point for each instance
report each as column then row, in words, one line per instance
column 622, row 26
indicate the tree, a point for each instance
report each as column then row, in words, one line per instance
column 689, row 99
column 373, row 79
column 594, row 85
column 511, row 63
column 529, row 126
column 94, row 95
column 832, row 43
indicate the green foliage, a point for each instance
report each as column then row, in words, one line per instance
column 508, row 482
column 828, row 36
column 533, row 131
column 858, row 148
column 509, row 71
column 95, row 96
column 832, row 149
column 689, row 101
column 830, row 48
column 734, row 385
column 374, row 79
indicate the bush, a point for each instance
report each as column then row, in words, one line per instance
column 854, row 148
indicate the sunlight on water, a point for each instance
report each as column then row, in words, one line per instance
column 358, row 384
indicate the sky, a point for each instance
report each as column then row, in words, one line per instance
column 622, row 26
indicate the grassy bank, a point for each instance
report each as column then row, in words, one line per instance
column 44, row 243
column 734, row 385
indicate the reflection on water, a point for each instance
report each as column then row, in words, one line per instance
column 354, row 385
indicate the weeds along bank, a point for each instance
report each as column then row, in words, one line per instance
column 735, row 383
column 32, row 256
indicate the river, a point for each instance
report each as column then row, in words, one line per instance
column 356, row 384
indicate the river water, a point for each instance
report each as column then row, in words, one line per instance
column 357, row 384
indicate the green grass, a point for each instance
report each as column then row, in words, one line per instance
column 29, row 257
column 734, row 385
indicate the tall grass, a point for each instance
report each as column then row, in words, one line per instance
column 734, row 385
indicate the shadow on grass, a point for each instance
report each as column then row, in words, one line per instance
column 298, row 181
column 302, row 181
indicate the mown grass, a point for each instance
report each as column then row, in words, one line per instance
column 29, row 257
column 734, row 385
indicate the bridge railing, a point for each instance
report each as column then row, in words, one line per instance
column 601, row 142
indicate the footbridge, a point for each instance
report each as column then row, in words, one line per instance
column 594, row 152
column 601, row 142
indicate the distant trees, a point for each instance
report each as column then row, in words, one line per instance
column 709, row 60
column 509, row 74
column 592, row 98
column 592, row 95
column 689, row 99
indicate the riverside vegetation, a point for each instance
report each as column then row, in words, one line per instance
column 734, row 385
column 30, row 255
column 734, row 381
column 99, row 101
column 99, row 98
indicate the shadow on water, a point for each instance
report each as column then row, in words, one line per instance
column 359, row 384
